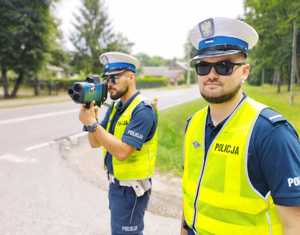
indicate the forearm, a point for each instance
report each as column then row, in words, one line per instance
column 93, row 141
column 292, row 231
column 112, row 144
column 290, row 217
column 292, row 228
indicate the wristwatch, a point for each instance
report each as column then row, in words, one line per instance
column 91, row 127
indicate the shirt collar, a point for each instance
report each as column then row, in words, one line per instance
column 122, row 106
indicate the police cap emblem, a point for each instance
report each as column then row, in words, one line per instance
column 207, row 28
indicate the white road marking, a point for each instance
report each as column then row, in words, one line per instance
column 176, row 103
column 73, row 138
column 38, row 146
column 77, row 135
column 13, row 158
column 38, row 116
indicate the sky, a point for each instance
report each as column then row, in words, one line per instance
column 156, row 27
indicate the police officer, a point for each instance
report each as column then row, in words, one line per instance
column 128, row 137
column 241, row 158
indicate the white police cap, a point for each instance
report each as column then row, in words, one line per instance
column 116, row 62
column 222, row 36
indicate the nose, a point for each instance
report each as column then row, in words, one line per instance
column 212, row 75
column 110, row 82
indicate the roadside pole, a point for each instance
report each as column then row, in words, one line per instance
column 294, row 63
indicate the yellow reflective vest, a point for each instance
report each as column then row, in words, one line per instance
column 218, row 197
column 141, row 163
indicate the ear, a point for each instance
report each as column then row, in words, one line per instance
column 245, row 72
column 131, row 76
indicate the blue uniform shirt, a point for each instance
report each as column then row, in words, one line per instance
column 142, row 124
column 273, row 157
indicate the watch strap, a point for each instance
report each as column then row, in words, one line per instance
column 91, row 127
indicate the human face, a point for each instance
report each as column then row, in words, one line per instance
column 216, row 88
column 117, row 85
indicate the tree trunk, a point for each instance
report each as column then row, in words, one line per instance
column 36, row 87
column 263, row 77
column 5, row 82
column 293, row 59
column 278, row 81
column 274, row 80
column 290, row 80
column 17, row 85
column 297, row 78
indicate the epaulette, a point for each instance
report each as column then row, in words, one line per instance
column 150, row 103
column 147, row 102
column 272, row 116
column 145, row 99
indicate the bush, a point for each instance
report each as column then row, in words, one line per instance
column 151, row 82
column 64, row 84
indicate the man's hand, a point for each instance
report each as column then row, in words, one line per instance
column 183, row 231
column 89, row 115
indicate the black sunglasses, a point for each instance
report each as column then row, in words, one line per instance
column 113, row 78
column 224, row 68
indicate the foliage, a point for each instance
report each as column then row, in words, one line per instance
column 60, row 58
column 274, row 22
column 189, row 50
column 171, row 126
column 147, row 60
column 151, row 82
column 27, row 31
column 94, row 35
column 65, row 84
column 152, row 79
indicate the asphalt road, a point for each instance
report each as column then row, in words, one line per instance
column 33, row 127
column 49, row 182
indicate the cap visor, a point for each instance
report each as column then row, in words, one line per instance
column 113, row 72
column 216, row 53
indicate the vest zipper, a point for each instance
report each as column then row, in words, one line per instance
column 198, row 190
column 269, row 223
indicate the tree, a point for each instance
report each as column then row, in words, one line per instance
column 189, row 50
column 94, row 35
column 27, row 31
column 273, row 21
column 147, row 60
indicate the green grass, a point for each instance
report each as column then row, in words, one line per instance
column 172, row 123
column 279, row 102
column 170, row 135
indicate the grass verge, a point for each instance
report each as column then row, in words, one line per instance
column 170, row 135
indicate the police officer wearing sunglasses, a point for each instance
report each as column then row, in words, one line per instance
column 241, row 158
column 128, row 137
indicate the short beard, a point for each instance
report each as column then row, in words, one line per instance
column 222, row 98
column 119, row 94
